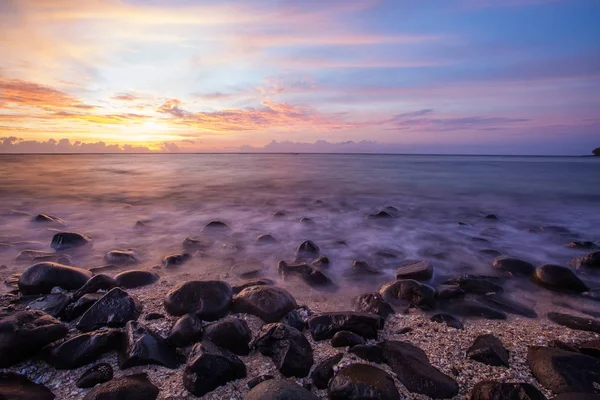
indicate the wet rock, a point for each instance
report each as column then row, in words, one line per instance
column 324, row 326
column 476, row 284
column 307, row 221
column 136, row 278
column 308, row 273
column 381, row 215
column 555, row 277
column 577, row 396
column 24, row 333
column 114, row 309
column 562, row 345
column 96, row 283
column 369, row 352
column 582, row 245
column 42, row 277
column 259, row 379
column 573, row 322
column 69, row 240
column 45, row 218
column 346, row 338
column 287, row 347
column 216, row 226
column 279, row 389
column 187, row 330
column 265, row 239
column 78, row 308
column 295, row 319
column 505, row 304
column 191, row 244
column 419, row 271
column 407, row 290
column 490, row 390
column 513, row 266
column 372, row 303
column 209, row 367
column 175, row 260
column 99, row 373
column 84, row 348
column 447, row 319
column 209, row 300
column 591, row 348
column 121, row 257
column 444, row 292
column 307, row 249
column 414, row 370
column 560, row 230
column 362, row 268
column 154, row 316
column 473, row 309
column 362, row 381
column 143, row 346
column 132, row 387
column 490, row 252
column 591, row 261
column 322, row 262
column 254, row 282
column 323, row 372
column 563, row 371
column 37, row 256
column 53, row 304
column 230, row 333
column 247, row 269
column 491, row 217
column 489, row 350
column 268, row 303
column 18, row 387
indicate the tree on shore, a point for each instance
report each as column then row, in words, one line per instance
column 596, row 151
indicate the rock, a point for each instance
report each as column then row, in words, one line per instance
column 45, row 218
column 175, row 260
column 114, row 309
column 132, row 387
column 489, row 350
column 490, row 252
column 362, row 381
column 321, row 262
column 216, row 226
column 443, row 292
column 447, row 319
column 591, row 260
column 490, row 390
column 247, row 269
column 582, row 245
column 121, row 257
column 324, row 326
column 362, row 268
column 491, row 217
column 295, row 319
column 412, row 367
column 209, row 367
column 473, row 308
column 37, row 256
column 476, row 284
column 53, row 304
column 99, row 373
column 230, row 333
column 555, row 277
column 259, row 379
column 268, row 303
column 279, row 389
column 143, row 346
column 18, row 387
column 577, row 396
column 69, row 240
column 253, row 282
column 372, row 303
column 345, row 339
column 84, row 348
column 24, row 333
column 42, row 277
column 265, row 239
column 323, row 372
column 154, row 316
column 369, row 352
column 187, row 330
column 191, row 244
column 96, row 283
column 289, row 350
column 591, row 348
column 381, row 215
column 209, row 300
column 563, row 371
column 410, row 291
column 278, row 214
column 418, row 270
column 573, row 322
column 136, row 278
column 78, row 308
column 513, row 266
column 507, row 305
column 308, row 273
column 307, row 249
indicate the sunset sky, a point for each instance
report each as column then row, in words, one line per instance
column 427, row 76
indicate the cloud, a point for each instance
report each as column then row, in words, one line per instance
column 20, row 93
column 418, row 121
column 18, row 145
column 124, row 97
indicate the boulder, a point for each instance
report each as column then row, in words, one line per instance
column 18, row 387
column 175, row 260
column 216, row 226
column 490, row 390
column 505, row 304
column 417, row 270
column 323, row 372
column 84, row 348
column 96, row 375
column 96, row 283
column 69, row 240
column 409, row 291
column 309, row 274
column 53, row 304
column 42, row 277
column 287, row 347
column 591, row 348
column 79, row 307
column 362, row 381
column 488, row 349
column 346, row 339
column 247, row 269
column 591, row 261
column 131, row 387
column 369, row 352
column 186, row 331
column 557, row 278
column 38, row 256
column 143, row 346
column 474, row 309
column 48, row 219
column 209, row 300
column 295, row 319
column 209, row 367
column 476, row 284
column 279, row 389
column 574, row 322
column 254, row 282
column 191, row 244
column 307, row 221
column 491, row 217
column 513, row 266
column 321, row 262
column 230, row 333
column 447, row 319
column 259, row 379
column 324, row 326
column 114, row 309
column 265, row 240
column 381, row 215
column 121, row 257
column 135, row 278
column 268, row 303
column 444, row 292
column 362, row 268
column 372, row 303
column 307, row 249
column 582, row 245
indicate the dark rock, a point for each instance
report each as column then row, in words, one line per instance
column 591, row 348
column 265, row 239
column 448, row 319
column 321, row 262
column 573, row 322
column 45, row 218
column 307, row 249
column 444, row 292
column 362, row 381
column 154, row 316
column 259, row 379
column 492, row 217
column 191, row 244
column 136, row 278
column 513, row 266
column 582, row 245
column 369, row 352
column 78, row 308
column 52, row 304
column 476, row 284
column 362, row 268
column 42, row 277
column 459, row 223
column 216, row 226
column 95, row 283
column 410, row 291
column 405, row 330
column 24, row 333
column 247, row 269
column 289, row 350
column 69, row 240
column 577, row 396
column 18, row 387
column 324, row 326
column 209, row 367
column 474, row 309
column 560, row 230
column 268, row 303
column 372, row 303
column 230, row 333
column 490, row 390
column 490, row 252
column 562, row 345
column 254, row 282
column 591, row 260
column 187, row 330
column 555, row 277
column 346, row 338
column 488, row 349
column 323, row 372
column 132, row 387
column 121, row 257
column 419, row 271
column 307, row 221
column 381, row 215
column 38, row 256
column 175, row 260
column 295, row 319
column 209, row 300
column 114, row 309
column 308, row 273
column 99, row 373
column 412, row 367
column 507, row 305
column 563, row 371
column 279, row 389
column 84, row 348
column 143, row 346
column 278, row 214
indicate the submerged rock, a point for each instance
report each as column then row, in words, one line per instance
column 381, row 215
column 18, row 387
column 265, row 239
column 268, row 303
column 507, row 305
column 447, row 319
column 247, row 269
column 191, row 244
column 307, row 249
column 573, row 322
column 555, row 277
column 84, row 348
column 42, row 277
column 175, row 260
column 489, row 350
column 444, row 292
column 591, row 261
column 308, row 273
column 187, row 330
column 476, row 284
column 418, row 270
column 323, row 372
column 362, row 381
column 474, row 309
column 513, row 266
column 135, row 278
column 230, row 333
column 209, row 300
column 362, row 268
column 582, row 245
column 121, row 257
column 45, row 218
column 114, row 309
column 69, row 240
column 410, row 291
column 131, row 387
column 372, row 303
column 213, row 226
column 324, row 326
column 144, row 346
column 279, row 389
column 99, row 373
column 490, row 390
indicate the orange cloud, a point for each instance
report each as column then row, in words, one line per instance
column 19, row 93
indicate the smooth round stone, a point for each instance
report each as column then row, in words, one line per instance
column 69, row 240
column 121, row 257
column 362, row 381
column 556, row 277
column 209, row 300
column 136, row 278
column 420, row 271
column 513, row 266
column 42, row 277
column 269, row 303
column 279, row 389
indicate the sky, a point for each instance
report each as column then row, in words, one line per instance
column 391, row 76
